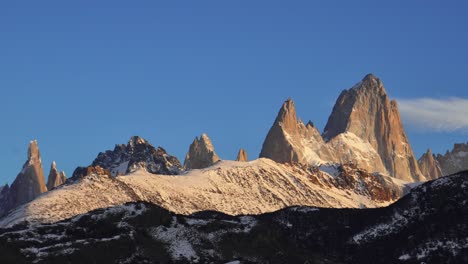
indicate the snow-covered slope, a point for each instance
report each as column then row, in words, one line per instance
column 427, row 226
column 93, row 192
column 228, row 186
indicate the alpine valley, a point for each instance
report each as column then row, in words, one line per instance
column 354, row 193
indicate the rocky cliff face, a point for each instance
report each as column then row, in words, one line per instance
column 201, row 154
column 364, row 128
column 28, row 184
column 366, row 111
column 242, row 155
column 429, row 166
column 55, row 178
column 455, row 160
column 138, row 154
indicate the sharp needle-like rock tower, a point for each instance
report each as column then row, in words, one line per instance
column 28, row 184
column 55, row 178
column 429, row 166
column 242, row 155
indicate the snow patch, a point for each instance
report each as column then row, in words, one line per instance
column 331, row 170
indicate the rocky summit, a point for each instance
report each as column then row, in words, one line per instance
column 429, row 166
column 366, row 111
column 364, row 128
column 28, row 184
column 55, row 178
column 289, row 140
column 454, row 160
column 242, row 155
column 138, row 154
column 201, row 153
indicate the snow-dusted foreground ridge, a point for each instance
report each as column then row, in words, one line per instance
column 427, row 226
column 231, row 187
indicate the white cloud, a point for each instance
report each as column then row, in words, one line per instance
column 441, row 115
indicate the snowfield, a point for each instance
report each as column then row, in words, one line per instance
column 231, row 187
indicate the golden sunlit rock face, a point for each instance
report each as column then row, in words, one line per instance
column 201, row 154
column 242, row 155
column 429, row 166
column 364, row 128
column 29, row 183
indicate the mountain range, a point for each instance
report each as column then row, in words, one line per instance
column 363, row 159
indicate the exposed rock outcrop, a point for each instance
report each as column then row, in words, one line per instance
column 429, row 166
column 28, row 184
column 201, row 153
column 83, row 172
column 138, row 154
column 455, row 160
column 364, row 128
column 242, row 155
column 55, row 178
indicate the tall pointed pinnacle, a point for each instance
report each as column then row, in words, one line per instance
column 429, row 166
column 201, row 153
column 242, row 155
column 33, row 152
column 277, row 145
column 287, row 117
column 55, row 178
column 366, row 111
column 30, row 181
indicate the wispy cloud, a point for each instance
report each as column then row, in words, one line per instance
column 441, row 115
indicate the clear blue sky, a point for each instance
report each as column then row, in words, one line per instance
column 82, row 76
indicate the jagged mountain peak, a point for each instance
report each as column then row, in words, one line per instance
column 429, row 152
column 33, row 151
column 370, row 84
column 366, row 111
column 429, row 166
column 136, row 140
column 55, row 178
column 138, row 154
column 454, row 160
column 205, row 141
column 242, row 155
column 288, row 139
column 29, row 183
column 201, row 153
column 364, row 126
column 458, row 147
column 287, row 117
column 310, row 124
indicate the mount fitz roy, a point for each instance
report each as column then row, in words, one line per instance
column 364, row 128
column 363, row 159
